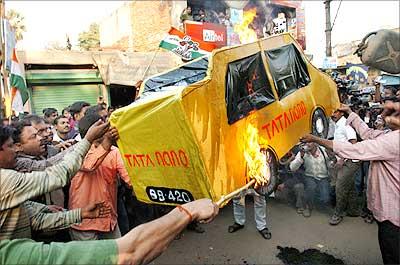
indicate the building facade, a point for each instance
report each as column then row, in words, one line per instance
column 129, row 30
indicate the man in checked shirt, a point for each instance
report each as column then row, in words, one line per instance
column 383, row 194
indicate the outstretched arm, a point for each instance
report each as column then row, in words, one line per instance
column 359, row 125
column 385, row 147
column 146, row 242
column 43, row 219
column 141, row 245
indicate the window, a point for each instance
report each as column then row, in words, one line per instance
column 247, row 87
column 288, row 69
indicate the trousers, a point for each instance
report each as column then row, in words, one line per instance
column 389, row 238
column 346, row 195
column 260, row 209
column 317, row 186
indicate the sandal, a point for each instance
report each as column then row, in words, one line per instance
column 265, row 233
column 233, row 228
column 369, row 219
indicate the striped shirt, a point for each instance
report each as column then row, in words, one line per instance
column 17, row 188
column 42, row 219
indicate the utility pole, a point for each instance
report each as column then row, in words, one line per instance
column 328, row 28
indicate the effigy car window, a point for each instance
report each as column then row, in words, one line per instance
column 247, row 87
column 288, row 69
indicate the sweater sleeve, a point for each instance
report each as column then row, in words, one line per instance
column 43, row 219
column 17, row 187
column 26, row 251
column 296, row 163
column 28, row 165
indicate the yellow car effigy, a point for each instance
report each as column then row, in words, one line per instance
column 187, row 136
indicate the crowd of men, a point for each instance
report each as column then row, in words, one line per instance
column 63, row 179
column 59, row 182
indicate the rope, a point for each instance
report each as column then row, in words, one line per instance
column 337, row 12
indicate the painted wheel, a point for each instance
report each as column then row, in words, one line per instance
column 273, row 169
column 320, row 125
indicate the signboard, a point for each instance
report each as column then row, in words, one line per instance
column 329, row 63
column 208, row 32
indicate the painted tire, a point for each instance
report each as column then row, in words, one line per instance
column 320, row 125
column 273, row 167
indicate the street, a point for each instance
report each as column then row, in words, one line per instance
column 353, row 241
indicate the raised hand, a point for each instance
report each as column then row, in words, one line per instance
column 345, row 109
column 95, row 210
column 391, row 114
column 55, row 208
column 110, row 138
column 97, row 130
column 308, row 138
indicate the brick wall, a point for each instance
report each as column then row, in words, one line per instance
column 150, row 21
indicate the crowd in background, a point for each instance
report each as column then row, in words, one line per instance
column 204, row 15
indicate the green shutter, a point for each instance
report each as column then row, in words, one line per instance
column 60, row 97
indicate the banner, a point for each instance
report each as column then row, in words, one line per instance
column 9, row 37
column 19, row 91
column 185, row 46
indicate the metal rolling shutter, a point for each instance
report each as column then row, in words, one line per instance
column 62, row 96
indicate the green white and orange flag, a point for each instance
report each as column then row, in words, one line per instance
column 19, row 91
column 185, row 46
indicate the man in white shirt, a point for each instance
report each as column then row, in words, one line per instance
column 316, row 177
column 346, row 195
column 62, row 131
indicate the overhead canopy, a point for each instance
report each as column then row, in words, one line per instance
column 128, row 68
column 115, row 67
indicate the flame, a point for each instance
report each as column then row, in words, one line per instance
column 246, row 34
column 257, row 166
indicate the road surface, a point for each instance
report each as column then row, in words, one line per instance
column 353, row 241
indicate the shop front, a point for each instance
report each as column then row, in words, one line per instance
column 63, row 87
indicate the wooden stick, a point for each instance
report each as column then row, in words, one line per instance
column 151, row 62
column 229, row 196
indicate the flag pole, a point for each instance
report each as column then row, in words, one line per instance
column 151, row 62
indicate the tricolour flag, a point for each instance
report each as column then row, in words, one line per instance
column 19, row 91
column 185, row 46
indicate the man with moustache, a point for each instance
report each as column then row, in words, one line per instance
column 31, row 147
column 62, row 131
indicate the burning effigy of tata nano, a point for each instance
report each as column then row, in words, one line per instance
column 220, row 123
